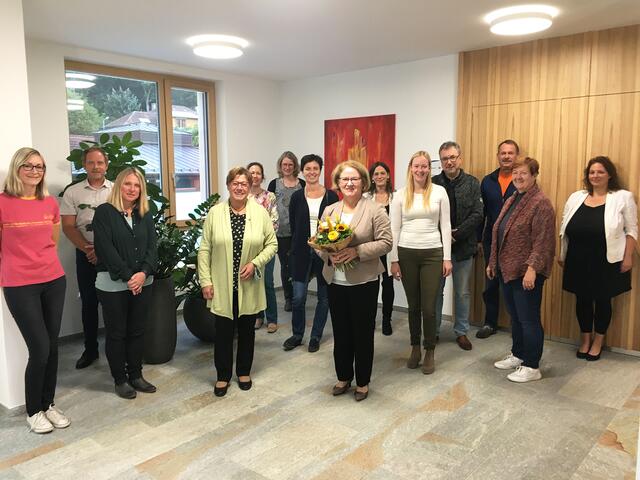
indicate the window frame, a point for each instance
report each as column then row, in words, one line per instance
column 165, row 120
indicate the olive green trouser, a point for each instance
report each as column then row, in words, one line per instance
column 421, row 273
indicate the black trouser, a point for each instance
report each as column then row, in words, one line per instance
column 353, row 316
column 125, row 317
column 86, row 273
column 388, row 294
column 588, row 316
column 284, row 252
column 37, row 310
column 491, row 293
column 223, row 346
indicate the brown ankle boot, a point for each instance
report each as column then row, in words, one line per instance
column 414, row 358
column 428, row 364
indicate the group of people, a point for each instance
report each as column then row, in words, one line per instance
column 420, row 234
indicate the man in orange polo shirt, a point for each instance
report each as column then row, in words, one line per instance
column 495, row 189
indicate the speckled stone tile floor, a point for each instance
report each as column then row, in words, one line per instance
column 466, row 421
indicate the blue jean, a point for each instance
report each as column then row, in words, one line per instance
column 298, row 321
column 526, row 327
column 460, row 274
column 271, row 313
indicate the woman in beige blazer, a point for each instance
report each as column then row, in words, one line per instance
column 353, row 293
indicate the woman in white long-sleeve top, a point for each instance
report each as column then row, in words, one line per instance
column 421, row 252
column 598, row 234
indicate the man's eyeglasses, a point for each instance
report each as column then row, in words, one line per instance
column 346, row 180
column 451, row 158
column 27, row 167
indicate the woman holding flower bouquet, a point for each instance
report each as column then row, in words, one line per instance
column 421, row 252
column 352, row 274
column 304, row 210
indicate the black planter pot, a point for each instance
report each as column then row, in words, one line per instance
column 161, row 328
column 199, row 319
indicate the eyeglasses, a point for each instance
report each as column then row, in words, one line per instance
column 27, row 167
column 350, row 179
column 451, row 158
column 239, row 185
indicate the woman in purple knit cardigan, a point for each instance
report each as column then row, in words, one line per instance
column 522, row 251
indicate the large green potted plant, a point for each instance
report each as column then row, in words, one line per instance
column 197, row 317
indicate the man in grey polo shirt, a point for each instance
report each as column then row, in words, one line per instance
column 77, row 209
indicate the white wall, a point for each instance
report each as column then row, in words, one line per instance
column 15, row 132
column 247, row 127
column 422, row 95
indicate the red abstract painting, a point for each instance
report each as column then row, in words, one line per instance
column 364, row 139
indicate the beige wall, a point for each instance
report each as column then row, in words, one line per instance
column 564, row 100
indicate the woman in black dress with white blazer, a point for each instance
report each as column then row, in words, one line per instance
column 598, row 234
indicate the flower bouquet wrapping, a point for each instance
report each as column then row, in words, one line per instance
column 332, row 237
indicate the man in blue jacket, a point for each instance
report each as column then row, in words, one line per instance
column 495, row 189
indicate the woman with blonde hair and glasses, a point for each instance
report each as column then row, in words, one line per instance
column 33, row 280
column 125, row 243
column 421, row 253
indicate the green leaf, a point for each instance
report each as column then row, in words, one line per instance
column 126, row 138
column 134, row 144
column 116, row 140
column 104, row 138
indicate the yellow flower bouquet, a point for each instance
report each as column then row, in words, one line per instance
column 332, row 236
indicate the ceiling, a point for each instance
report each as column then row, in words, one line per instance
column 291, row 39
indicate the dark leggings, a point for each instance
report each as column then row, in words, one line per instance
column 284, row 252
column 388, row 294
column 588, row 316
column 37, row 310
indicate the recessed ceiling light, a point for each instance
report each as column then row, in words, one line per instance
column 79, row 80
column 521, row 19
column 217, row 46
column 75, row 104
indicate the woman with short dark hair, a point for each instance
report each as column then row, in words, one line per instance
column 598, row 235
column 305, row 209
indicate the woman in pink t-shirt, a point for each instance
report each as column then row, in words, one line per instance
column 33, row 280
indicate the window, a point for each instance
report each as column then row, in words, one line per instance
column 172, row 116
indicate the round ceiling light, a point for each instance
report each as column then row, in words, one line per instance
column 521, row 19
column 75, row 104
column 79, row 80
column 220, row 47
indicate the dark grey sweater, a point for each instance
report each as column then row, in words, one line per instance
column 468, row 212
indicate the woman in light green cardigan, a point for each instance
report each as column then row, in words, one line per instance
column 237, row 242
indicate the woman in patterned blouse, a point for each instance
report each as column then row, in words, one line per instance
column 268, row 201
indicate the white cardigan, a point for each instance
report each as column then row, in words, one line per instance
column 620, row 220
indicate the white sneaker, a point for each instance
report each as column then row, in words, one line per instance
column 509, row 362
column 525, row 374
column 38, row 423
column 57, row 418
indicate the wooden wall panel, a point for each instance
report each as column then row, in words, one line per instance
column 616, row 61
column 539, row 124
column 564, row 100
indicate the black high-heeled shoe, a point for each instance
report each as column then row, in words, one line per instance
column 337, row 390
column 220, row 391
column 593, row 358
column 581, row 355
